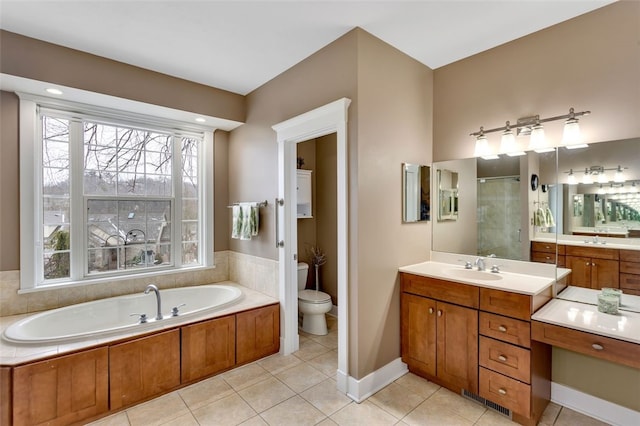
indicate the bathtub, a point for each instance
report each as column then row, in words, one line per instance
column 114, row 315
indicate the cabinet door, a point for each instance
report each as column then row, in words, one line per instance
column 258, row 333
column 580, row 271
column 143, row 368
column 458, row 346
column 61, row 391
column 419, row 333
column 208, row 347
column 604, row 273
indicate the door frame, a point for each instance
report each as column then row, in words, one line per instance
column 327, row 119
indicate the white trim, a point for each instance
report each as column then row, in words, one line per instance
column 359, row 390
column 330, row 118
column 592, row 406
column 207, row 197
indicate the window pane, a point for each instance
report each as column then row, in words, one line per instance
column 159, row 185
column 99, row 183
column 56, row 237
column 105, row 259
column 189, row 231
column 158, row 163
column 55, row 129
column 56, row 265
column 55, row 210
column 55, row 154
column 190, row 209
column 190, row 253
column 131, row 184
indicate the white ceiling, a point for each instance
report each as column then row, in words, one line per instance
column 240, row 45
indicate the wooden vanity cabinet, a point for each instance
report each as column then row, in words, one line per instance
column 258, row 333
column 143, row 368
column 60, row 391
column 440, row 339
column 208, row 348
column 630, row 271
column 546, row 253
column 593, row 267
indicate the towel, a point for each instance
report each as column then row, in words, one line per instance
column 548, row 218
column 539, row 218
column 248, row 221
column 236, row 222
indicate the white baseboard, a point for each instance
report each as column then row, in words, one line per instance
column 359, row 390
column 592, row 406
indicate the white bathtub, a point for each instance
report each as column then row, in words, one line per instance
column 113, row 315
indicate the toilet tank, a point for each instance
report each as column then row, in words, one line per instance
column 303, row 270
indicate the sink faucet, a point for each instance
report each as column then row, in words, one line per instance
column 480, row 264
column 155, row 289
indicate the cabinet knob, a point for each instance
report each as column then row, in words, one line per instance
column 502, row 328
column 502, row 391
column 439, row 312
column 587, row 264
column 502, row 358
column 597, row 347
column 430, row 310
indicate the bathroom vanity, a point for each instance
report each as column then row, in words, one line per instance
column 470, row 331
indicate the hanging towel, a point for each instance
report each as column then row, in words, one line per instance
column 245, row 227
column 236, row 222
column 255, row 219
column 539, row 218
column 548, row 216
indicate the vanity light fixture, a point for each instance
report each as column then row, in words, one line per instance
column 602, row 177
column 571, row 180
column 601, row 190
column 634, row 188
column 587, row 179
column 482, row 145
column 619, row 175
column 532, row 126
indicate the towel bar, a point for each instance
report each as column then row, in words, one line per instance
column 258, row 203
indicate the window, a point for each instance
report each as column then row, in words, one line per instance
column 111, row 195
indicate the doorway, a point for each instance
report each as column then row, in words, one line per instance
column 330, row 118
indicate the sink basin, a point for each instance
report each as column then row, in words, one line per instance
column 472, row 274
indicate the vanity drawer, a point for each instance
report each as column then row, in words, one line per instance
column 547, row 247
column 613, row 350
column 505, row 329
column 595, row 252
column 506, row 359
column 630, row 255
column 630, row 268
column 630, row 284
column 505, row 391
column 505, row 303
column 447, row 291
column 543, row 257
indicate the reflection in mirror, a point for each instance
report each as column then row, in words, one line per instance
column 447, row 195
column 416, row 193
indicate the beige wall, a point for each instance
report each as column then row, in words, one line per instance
column 9, row 178
column 326, row 202
column 591, row 62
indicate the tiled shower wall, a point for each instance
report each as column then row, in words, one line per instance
column 250, row 271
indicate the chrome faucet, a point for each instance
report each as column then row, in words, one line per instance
column 155, row 289
column 480, row 264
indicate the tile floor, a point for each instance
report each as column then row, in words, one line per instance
column 300, row 389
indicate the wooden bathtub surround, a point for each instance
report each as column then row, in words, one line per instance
column 467, row 337
column 92, row 383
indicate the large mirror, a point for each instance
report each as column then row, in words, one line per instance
column 416, row 193
column 447, row 195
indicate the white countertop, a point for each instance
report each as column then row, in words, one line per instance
column 628, row 302
column 585, row 317
column 508, row 281
column 603, row 242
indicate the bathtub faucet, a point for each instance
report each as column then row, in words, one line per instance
column 155, row 289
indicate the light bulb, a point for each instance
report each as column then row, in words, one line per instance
column 508, row 142
column 571, row 180
column 482, row 145
column 571, row 133
column 587, row 179
column 619, row 175
column 537, row 140
column 602, row 177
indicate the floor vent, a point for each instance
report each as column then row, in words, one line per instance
column 489, row 404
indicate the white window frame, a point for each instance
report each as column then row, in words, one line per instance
column 31, row 261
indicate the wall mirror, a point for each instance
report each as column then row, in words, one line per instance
column 447, row 195
column 416, row 193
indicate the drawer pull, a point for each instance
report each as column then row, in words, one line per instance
column 430, row 310
column 502, row 391
column 439, row 312
column 502, row 328
column 597, row 347
column 502, row 358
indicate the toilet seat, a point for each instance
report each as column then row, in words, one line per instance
column 313, row 296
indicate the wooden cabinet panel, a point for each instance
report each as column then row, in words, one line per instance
column 547, row 247
column 506, row 329
column 505, row 303
column 208, row 347
column 143, row 368
column 506, row 359
column 614, row 350
column 580, row 271
column 418, row 324
column 593, row 252
column 447, row 291
column 457, row 346
column 61, row 391
column 630, row 284
column 604, row 273
column 5, row 396
column 258, row 333
column 630, row 255
column 541, row 257
column 630, row 268
column 505, row 391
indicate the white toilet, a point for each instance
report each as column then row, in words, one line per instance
column 312, row 304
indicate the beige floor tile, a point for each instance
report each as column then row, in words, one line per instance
column 329, row 340
column 327, row 363
column 491, row 418
column 332, row 323
column 568, row 417
column 245, row 376
column 119, row 419
column 231, row 410
column 274, row 364
column 432, row 415
column 157, row 411
column 266, row 394
column 418, row 385
column 205, row 392
column 396, row 400
column 550, row 414
column 301, row 377
column 184, row 420
column 325, row 397
column 255, row 421
column 294, row 411
column 310, row 349
column 365, row 413
column 327, row 422
column 444, row 398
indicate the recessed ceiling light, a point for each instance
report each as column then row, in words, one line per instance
column 54, row 91
column 200, row 120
